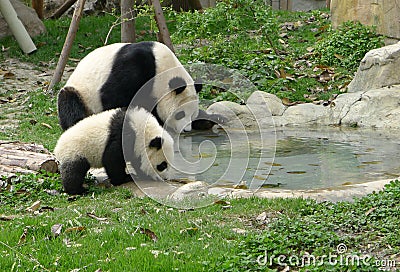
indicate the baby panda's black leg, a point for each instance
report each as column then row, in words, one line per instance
column 115, row 168
column 114, row 163
column 71, row 108
column 73, row 174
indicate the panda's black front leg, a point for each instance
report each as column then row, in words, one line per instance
column 73, row 174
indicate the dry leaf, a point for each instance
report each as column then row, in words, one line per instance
column 46, row 125
column 9, row 75
column 34, row 207
column 222, row 202
column 155, row 252
column 241, row 185
column 149, row 234
column 239, row 231
column 7, row 217
column 75, row 229
column 189, row 231
column 338, row 56
column 310, row 49
column 91, row 215
column 262, row 216
column 22, row 239
column 56, row 229
column 46, row 208
column 370, row 211
column 325, row 76
column 287, row 102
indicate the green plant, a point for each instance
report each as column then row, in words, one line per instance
column 347, row 45
column 319, row 230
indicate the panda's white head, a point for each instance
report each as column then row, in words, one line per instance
column 180, row 106
column 153, row 146
column 178, row 101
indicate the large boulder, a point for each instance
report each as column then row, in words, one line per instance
column 378, row 108
column 385, row 14
column 28, row 17
column 379, row 68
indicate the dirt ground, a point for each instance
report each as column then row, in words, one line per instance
column 17, row 79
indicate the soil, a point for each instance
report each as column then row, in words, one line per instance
column 17, row 80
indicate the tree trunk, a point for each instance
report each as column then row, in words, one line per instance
column 164, row 36
column 61, row 10
column 37, row 5
column 128, row 15
column 16, row 157
column 69, row 40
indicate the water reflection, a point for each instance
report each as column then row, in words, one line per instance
column 291, row 158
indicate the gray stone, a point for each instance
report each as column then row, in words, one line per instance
column 379, row 68
column 28, row 17
column 272, row 102
column 238, row 116
column 190, row 191
column 303, row 114
column 377, row 108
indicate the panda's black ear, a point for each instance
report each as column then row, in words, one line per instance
column 198, row 85
column 156, row 142
column 177, row 84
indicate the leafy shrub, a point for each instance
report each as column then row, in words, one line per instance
column 347, row 45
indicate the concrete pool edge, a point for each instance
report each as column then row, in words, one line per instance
column 334, row 194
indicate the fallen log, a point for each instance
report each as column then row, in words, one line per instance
column 17, row 157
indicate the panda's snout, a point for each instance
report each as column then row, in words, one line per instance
column 188, row 128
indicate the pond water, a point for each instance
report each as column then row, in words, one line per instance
column 290, row 158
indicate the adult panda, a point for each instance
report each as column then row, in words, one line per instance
column 109, row 139
column 110, row 76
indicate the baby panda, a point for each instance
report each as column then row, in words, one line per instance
column 108, row 140
column 110, row 76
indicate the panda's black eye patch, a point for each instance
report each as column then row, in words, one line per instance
column 177, row 84
column 162, row 166
column 180, row 115
column 156, row 142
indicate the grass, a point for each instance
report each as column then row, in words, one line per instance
column 116, row 231
column 112, row 230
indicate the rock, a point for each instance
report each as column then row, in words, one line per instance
column 385, row 14
column 272, row 102
column 238, row 116
column 377, row 108
column 28, row 17
column 191, row 191
column 378, row 68
column 304, row 114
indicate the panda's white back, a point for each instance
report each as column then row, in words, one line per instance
column 92, row 72
column 87, row 139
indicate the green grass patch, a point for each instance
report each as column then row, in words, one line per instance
column 110, row 229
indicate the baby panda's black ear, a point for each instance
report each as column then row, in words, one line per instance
column 177, row 84
column 156, row 142
column 198, row 85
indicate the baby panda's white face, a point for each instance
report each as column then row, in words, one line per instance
column 153, row 144
column 160, row 154
column 180, row 106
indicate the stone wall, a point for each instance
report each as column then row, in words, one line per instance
column 385, row 14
